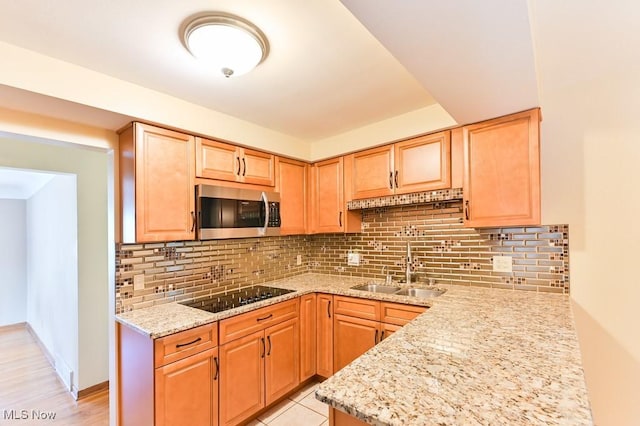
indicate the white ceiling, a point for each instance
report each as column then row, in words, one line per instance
column 17, row 184
column 326, row 73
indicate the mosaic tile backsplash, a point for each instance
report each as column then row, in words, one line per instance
column 442, row 249
column 189, row 269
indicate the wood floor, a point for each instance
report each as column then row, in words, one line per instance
column 31, row 391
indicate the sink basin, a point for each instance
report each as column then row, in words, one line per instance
column 421, row 292
column 376, row 288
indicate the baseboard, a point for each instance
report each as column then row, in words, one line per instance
column 13, row 327
column 100, row 387
column 43, row 348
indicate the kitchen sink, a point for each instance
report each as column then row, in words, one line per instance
column 376, row 288
column 421, row 292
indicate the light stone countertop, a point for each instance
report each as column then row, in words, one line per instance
column 162, row 320
column 476, row 357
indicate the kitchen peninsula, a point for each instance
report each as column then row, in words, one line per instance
column 476, row 356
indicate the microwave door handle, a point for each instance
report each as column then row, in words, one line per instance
column 263, row 231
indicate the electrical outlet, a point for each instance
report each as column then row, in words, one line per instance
column 353, row 259
column 502, row 264
column 138, row 282
column 299, row 260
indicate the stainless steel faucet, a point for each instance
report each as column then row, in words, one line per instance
column 387, row 278
column 409, row 261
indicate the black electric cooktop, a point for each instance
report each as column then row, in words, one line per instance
column 236, row 298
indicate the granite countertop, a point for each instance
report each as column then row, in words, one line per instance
column 162, row 320
column 477, row 356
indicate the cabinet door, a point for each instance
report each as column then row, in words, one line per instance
column 351, row 338
column 292, row 182
column 502, row 171
column 372, row 173
column 281, row 363
column 217, row 160
column 423, row 163
column 164, row 200
column 187, row 391
column 328, row 206
column 257, row 167
column 387, row 330
column 307, row 336
column 241, row 378
column 324, row 324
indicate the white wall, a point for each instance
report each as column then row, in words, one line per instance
column 13, row 262
column 589, row 74
column 52, row 271
column 93, row 236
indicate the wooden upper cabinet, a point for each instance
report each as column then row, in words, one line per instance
column 502, row 171
column 414, row 165
column 329, row 197
column 222, row 161
column 457, row 158
column 157, row 184
column 292, row 186
column 372, row 174
column 423, row 163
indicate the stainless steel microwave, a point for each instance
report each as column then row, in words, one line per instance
column 236, row 213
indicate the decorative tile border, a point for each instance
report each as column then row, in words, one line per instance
column 406, row 199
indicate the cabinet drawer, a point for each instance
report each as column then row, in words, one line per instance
column 186, row 343
column 250, row 322
column 399, row 314
column 355, row 307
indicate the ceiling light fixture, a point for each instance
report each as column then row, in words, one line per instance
column 226, row 42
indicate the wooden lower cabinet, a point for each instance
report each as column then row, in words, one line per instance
column 307, row 336
column 324, row 335
column 352, row 337
column 187, row 391
column 172, row 380
column 360, row 324
column 258, row 369
column 339, row 418
column 281, row 360
column 241, row 378
column 387, row 330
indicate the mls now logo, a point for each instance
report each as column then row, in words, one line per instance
column 28, row 415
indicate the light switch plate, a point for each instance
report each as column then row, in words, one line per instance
column 138, row 282
column 299, row 260
column 502, row 264
column 353, row 259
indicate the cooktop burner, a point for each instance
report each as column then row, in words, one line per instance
column 236, row 298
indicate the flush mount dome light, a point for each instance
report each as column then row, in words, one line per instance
column 226, row 42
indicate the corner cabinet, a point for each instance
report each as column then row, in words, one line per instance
column 502, row 171
column 222, row 161
column 360, row 324
column 329, row 200
column 414, row 165
column 156, row 184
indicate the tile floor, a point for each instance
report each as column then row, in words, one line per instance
column 300, row 409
